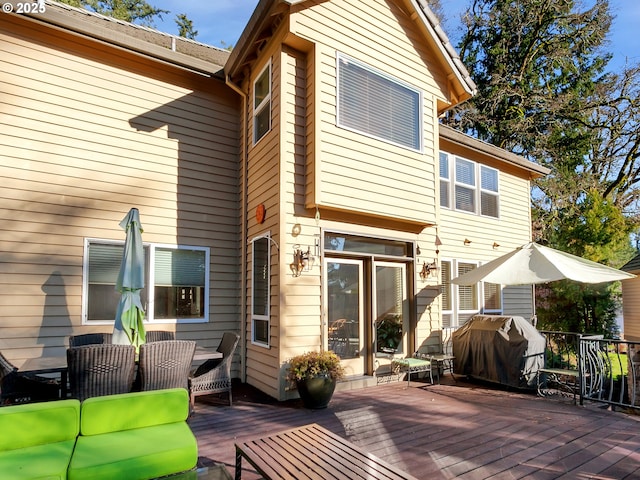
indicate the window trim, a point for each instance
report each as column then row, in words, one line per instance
column 150, row 278
column 264, row 104
column 420, row 110
column 262, row 318
column 456, row 312
column 453, row 182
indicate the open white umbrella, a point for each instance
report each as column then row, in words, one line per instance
column 129, row 327
column 533, row 264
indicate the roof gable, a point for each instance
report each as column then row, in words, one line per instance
column 269, row 14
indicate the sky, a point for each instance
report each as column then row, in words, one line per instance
column 220, row 22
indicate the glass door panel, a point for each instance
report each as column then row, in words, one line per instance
column 390, row 308
column 345, row 312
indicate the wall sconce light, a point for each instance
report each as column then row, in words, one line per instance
column 429, row 269
column 302, row 261
column 467, row 241
column 495, row 245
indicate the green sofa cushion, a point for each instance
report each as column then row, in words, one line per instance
column 135, row 454
column 130, row 411
column 41, row 462
column 38, row 424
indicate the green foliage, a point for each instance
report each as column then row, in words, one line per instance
column 185, row 27
column 389, row 333
column 310, row 364
column 135, row 11
column 544, row 93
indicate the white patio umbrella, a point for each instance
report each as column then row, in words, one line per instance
column 129, row 327
column 532, row 264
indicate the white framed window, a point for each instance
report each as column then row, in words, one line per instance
column 461, row 302
column 445, row 181
column 261, row 290
column 475, row 189
column 176, row 288
column 262, row 104
column 489, row 191
column 378, row 105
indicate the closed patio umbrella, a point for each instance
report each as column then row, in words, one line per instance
column 129, row 327
column 533, row 264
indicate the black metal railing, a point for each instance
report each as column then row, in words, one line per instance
column 608, row 370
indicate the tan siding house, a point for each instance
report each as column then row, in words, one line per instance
column 631, row 301
column 89, row 131
column 308, row 166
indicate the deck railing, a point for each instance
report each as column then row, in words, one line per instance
column 608, row 369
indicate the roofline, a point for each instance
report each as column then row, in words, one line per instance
column 467, row 141
column 249, row 34
column 58, row 16
column 449, row 53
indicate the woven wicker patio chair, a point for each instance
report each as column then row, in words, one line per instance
column 97, row 370
column 165, row 364
column 214, row 376
column 16, row 387
column 89, row 339
column 159, row 336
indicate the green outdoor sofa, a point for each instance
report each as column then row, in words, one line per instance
column 136, row 435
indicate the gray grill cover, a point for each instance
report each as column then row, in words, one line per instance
column 507, row 350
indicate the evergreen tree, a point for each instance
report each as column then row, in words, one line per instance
column 185, row 27
column 543, row 92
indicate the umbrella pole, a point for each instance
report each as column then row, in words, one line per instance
column 534, row 318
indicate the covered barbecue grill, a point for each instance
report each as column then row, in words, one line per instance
column 503, row 349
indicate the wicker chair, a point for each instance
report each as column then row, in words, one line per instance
column 165, row 364
column 97, row 370
column 89, row 339
column 16, row 387
column 214, row 376
column 159, row 336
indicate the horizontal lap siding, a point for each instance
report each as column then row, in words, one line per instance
column 631, row 308
column 87, row 133
column 263, row 180
column 359, row 173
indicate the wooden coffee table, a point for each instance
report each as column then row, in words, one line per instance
column 311, row 452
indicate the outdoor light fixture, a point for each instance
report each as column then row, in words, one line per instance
column 428, row 269
column 467, row 241
column 496, row 245
column 301, row 261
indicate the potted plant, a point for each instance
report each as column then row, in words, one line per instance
column 315, row 375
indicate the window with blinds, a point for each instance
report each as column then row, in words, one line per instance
column 445, row 181
column 262, row 104
column 467, row 294
column 260, row 291
column 492, row 297
column 378, row 105
column 176, row 289
column 475, row 187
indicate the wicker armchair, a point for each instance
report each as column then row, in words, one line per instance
column 16, row 387
column 97, row 370
column 165, row 364
column 159, row 336
column 214, row 376
column 89, row 339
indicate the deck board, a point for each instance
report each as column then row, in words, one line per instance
column 457, row 429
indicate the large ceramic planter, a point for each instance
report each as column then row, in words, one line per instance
column 316, row 392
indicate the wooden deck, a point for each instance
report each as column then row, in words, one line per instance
column 453, row 430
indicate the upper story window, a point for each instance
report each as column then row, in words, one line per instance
column 260, row 291
column 378, row 105
column 176, row 287
column 262, row 104
column 475, row 187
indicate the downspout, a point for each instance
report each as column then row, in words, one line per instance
column 244, row 228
